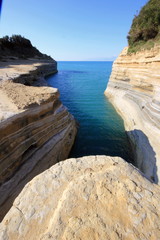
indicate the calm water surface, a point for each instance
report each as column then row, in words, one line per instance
column 101, row 130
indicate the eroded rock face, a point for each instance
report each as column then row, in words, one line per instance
column 134, row 90
column 96, row 197
column 36, row 130
column 14, row 98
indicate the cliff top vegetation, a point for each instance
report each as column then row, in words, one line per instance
column 145, row 28
column 19, row 47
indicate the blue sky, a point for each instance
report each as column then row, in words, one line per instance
column 71, row 30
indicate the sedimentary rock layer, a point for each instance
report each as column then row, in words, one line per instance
column 134, row 90
column 28, row 72
column 96, row 197
column 36, row 130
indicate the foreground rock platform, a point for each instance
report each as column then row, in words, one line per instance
column 96, row 197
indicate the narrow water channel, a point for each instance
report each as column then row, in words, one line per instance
column 101, row 130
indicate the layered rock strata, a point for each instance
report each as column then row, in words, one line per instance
column 134, row 90
column 96, row 197
column 36, row 130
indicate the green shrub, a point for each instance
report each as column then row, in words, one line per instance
column 20, row 47
column 146, row 25
column 15, row 41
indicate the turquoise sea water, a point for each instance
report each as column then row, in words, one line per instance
column 101, row 130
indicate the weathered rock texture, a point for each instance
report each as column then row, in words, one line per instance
column 97, row 197
column 13, row 98
column 36, row 130
column 134, row 90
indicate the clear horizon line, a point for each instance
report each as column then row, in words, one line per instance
column 85, row 60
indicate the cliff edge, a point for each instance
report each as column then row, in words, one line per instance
column 36, row 130
column 134, row 90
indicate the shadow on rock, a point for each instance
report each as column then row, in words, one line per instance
column 144, row 155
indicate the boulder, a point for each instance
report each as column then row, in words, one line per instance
column 95, row 197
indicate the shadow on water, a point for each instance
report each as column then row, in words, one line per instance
column 144, row 155
column 100, row 136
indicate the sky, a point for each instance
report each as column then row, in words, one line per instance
column 72, row 30
column 0, row 6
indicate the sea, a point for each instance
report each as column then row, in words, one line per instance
column 100, row 128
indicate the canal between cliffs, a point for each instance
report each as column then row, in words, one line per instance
column 101, row 130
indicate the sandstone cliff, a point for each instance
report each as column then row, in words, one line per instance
column 98, row 197
column 134, row 90
column 36, row 130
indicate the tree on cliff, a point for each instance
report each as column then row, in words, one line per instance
column 20, row 47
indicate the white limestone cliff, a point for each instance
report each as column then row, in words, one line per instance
column 134, row 90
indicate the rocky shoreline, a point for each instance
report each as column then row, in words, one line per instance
column 93, row 197
column 26, row 72
column 134, row 89
column 36, row 130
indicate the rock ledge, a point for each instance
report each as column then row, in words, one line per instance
column 96, row 197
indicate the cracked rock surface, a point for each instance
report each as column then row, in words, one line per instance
column 95, row 197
